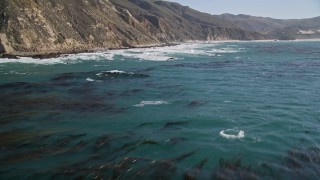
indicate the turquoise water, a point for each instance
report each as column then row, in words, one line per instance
column 234, row 110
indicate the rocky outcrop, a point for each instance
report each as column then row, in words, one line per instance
column 29, row 27
column 2, row 50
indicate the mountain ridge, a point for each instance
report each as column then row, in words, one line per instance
column 276, row 28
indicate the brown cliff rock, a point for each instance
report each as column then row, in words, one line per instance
column 29, row 27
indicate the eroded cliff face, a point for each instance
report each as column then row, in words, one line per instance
column 68, row 25
column 44, row 26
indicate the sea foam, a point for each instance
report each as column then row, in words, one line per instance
column 64, row 59
column 232, row 134
column 151, row 54
column 114, row 72
column 90, row 80
column 144, row 103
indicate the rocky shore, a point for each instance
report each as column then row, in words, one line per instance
column 55, row 54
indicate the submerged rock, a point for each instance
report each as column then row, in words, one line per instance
column 174, row 124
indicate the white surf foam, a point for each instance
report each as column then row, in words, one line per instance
column 224, row 50
column 17, row 73
column 64, row 59
column 118, row 72
column 167, row 53
column 144, row 103
column 151, row 54
column 27, row 60
column 90, row 80
column 105, row 73
column 96, row 65
column 232, row 134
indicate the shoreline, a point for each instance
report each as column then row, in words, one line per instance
column 56, row 54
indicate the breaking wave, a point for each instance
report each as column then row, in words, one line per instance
column 167, row 53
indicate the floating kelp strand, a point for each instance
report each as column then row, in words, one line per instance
column 183, row 156
column 18, row 85
column 56, row 102
column 145, row 124
column 128, row 147
column 175, row 140
column 67, row 77
column 197, row 103
column 299, row 160
column 229, row 169
column 102, row 142
column 15, row 136
column 147, row 69
column 194, row 172
column 150, row 169
column 127, row 165
column 131, row 92
column 78, row 146
column 82, row 91
column 14, row 116
column 150, row 142
column 26, row 156
column 18, row 158
column 66, row 140
column 162, row 169
column 107, row 140
column 108, row 169
column 41, row 150
column 174, row 124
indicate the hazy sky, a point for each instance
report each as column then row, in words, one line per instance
column 281, row 9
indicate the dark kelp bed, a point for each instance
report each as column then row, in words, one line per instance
column 81, row 121
column 108, row 156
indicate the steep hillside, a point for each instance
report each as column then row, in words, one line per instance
column 68, row 25
column 252, row 23
column 30, row 27
column 276, row 28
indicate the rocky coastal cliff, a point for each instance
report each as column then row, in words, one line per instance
column 29, row 27
column 40, row 27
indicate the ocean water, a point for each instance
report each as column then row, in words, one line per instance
column 228, row 110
